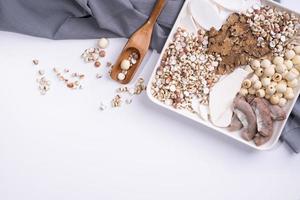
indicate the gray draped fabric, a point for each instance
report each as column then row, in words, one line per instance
column 81, row 19
column 291, row 133
column 86, row 19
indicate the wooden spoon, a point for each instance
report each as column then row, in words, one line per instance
column 137, row 44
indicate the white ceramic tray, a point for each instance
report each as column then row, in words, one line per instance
column 278, row 126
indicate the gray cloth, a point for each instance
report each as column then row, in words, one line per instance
column 81, row 19
column 291, row 133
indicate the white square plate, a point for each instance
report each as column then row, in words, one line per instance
column 278, row 126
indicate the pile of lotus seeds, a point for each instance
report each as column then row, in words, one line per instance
column 275, row 78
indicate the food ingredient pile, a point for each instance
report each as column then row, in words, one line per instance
column 186, row 71
column 74, row 80
column 263, row 41
column 256, row 33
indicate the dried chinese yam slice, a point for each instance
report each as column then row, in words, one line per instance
column 222, row 96
column 205, row 14
column 231, row 5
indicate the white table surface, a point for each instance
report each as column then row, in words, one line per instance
column 60, row 146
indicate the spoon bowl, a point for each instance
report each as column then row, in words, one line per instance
column 137, row 45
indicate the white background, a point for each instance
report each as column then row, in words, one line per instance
column 60, row 146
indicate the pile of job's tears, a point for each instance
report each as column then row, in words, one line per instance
column 74, row 80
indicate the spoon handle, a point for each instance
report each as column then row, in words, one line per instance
column 156, row 11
